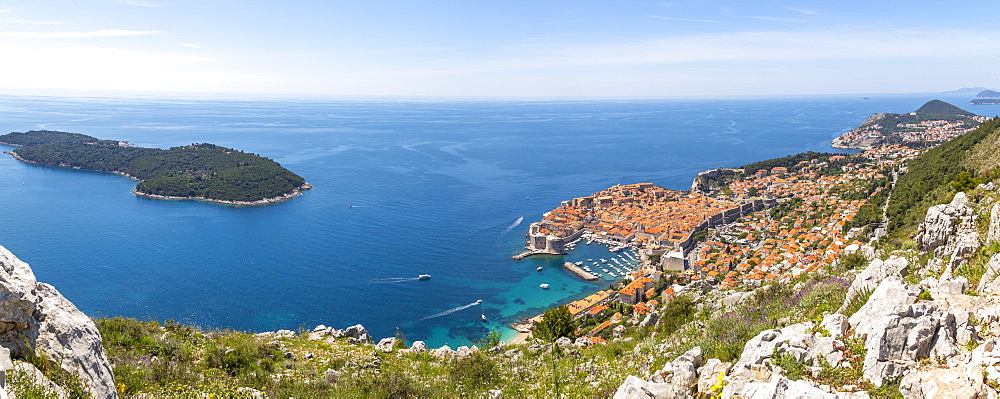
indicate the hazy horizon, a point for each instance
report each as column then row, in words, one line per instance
column 519, row 49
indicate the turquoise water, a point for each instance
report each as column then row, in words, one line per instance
column 402, row 188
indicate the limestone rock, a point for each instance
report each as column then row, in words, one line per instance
column 951, row 286
column 871, row 276
column 418, row 346
column 762, row 346
column 778, row 387
column 994, row 232
column 618, row 331
column 443, row 352
column 958, row 383
column 357, row 334
column 989, row 283
column 36, row 315
column 836, row 324
column 682, row 373
column 943, row 222
column 386, row 344
column 887, row 297
column 284, row 334
column 635, row 388
column 899, row 332
column 709, row 373
column 463, row 352
column 564, row 342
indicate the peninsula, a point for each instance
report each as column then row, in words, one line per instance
column 205, row 172
column 931, row 124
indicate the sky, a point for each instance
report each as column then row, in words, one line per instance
column 499, row 48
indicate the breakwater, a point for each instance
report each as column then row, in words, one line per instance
column 579, row 272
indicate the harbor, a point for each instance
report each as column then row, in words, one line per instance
column 579, row 272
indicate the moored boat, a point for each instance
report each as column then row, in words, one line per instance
column 544, row 286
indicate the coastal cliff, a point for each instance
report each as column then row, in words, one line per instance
column 41, row 329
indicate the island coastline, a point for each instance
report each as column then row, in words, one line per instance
column 273, row 197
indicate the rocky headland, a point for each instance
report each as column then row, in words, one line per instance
column 41, row 329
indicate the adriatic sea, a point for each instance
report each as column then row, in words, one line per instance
column 403, row 187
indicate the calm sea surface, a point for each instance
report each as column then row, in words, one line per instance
column 402, row 188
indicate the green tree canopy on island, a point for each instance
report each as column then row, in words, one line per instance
column 194, row 171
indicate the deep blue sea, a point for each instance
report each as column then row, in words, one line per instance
column 403, row 187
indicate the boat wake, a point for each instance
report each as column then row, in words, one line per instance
column 515, row 224
column 392, row 280
column 450, row 311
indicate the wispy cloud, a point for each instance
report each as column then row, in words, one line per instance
column 775, row 19
column 191, row 45
column 766, row 47
column 142, row 3
column 21, row 21
column 687, row 19
column 804, row 11
column 77, row 35
column 5, row 11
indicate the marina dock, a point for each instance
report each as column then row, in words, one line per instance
column 579, row 272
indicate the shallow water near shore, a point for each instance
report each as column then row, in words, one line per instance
column 403, row 188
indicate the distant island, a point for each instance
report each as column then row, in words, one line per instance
column 205, row 172
column 934, row 122
column 986, row 97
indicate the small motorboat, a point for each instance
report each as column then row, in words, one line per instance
column 539, row 268
column 544, row 286
column 479, row 301
column 424, row 277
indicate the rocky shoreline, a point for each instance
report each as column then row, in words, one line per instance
column 266, row 201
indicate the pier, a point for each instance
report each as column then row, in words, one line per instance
column 523, row 255
column 579, row 272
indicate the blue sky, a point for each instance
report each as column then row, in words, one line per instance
column 499, row 48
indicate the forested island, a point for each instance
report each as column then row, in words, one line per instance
column 204, row 171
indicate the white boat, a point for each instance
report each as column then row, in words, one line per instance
column 424, row 277
column 479, row 301
column 484, row 317
column 544, row 286
column 539, row 268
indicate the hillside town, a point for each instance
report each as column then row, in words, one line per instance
column 793, row 220
column 874, row 131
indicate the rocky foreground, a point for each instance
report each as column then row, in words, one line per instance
column 41, row 329
column 908, row 323
column 923, row 332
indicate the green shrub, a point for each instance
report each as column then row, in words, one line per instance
column 556, row 323
column 240, row 354
column 474, row 372
column 793, row 368
column 852, row 261
column 859, row 300
column 676, row 313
